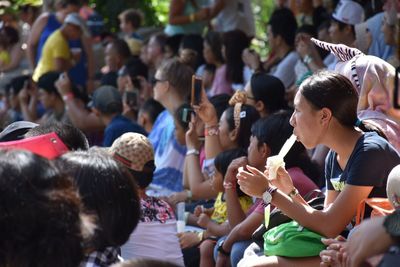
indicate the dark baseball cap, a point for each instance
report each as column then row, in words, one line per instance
column 107, row 100
column 16, row 130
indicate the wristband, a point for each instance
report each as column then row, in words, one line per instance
column 200, row 235
column 189, row 194
column 211, row 130
column 192, row 151
column 229, row 185
column 68, row 96
column 293, row 193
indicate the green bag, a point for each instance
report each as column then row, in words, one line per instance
column 292, row 240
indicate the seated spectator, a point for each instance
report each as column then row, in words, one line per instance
column 356, row 167
column 109, row 192
column 281, row 32
column 42, row 220
column 155, row 235
column 107, row 105
column 215, row 220
column 171, row 89
column 268, row 136
column 266, row 93
column 12, row 110
column 71, row 136
column 11, row 52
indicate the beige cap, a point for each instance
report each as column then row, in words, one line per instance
column 133, row 150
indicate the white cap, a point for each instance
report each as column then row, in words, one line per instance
column 75, row 19
column 349, row 12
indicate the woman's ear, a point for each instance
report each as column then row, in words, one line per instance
column 233, row 135
column 326, row 115
column 259, row 106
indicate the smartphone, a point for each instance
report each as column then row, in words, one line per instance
column 187, row 114
column 197, row 86
column 131, row 98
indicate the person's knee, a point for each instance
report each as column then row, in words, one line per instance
column 207, row 248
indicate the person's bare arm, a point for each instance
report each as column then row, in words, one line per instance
column 329, row 222
column 87, row 46
column 176, row 16
column 34, row 37
column 216, row 8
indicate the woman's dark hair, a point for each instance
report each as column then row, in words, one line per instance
column 246, row 121
column 9, row 36
column 269, row 90
column 223, row 159
column 194, row 42
column 174, row 42
column 334, row 91
column 235, row 42
column 220, row 103
column 41, row 214
column 283, row 23
column 108, row 191
column 214, row 40
column 273, row 131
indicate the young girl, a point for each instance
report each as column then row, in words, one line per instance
column 214, row 220
column 356, row 168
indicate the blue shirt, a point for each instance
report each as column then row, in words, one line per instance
column 117, row 127
column 169, row 156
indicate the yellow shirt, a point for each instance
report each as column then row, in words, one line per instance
column 56, row 46
column 220, row 214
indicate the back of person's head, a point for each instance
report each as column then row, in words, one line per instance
column 224, row 158
column 173, row 43
column 9, row 36
column 269, row 90
column 135, row 152
column 214, row 40
column 283, row 24
column 334, row 91
column 240, row 117
column 121, row 48
column 178, row 74
column 71, row 136
column 220, row 103
column 108, row 191
column 273, row 131
column 195, row 43
column 16, row 84
column 47, row 82
column 107, row 100
column 132, row 16
column 41, row 214
column 144, row 263
column 235, row 42
column 153, row 108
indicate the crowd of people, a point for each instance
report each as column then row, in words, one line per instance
column 104, row 135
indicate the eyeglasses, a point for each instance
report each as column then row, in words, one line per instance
column 154, row 80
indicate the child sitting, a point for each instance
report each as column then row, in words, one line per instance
column 214, row 219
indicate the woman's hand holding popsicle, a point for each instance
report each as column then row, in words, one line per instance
column 282, row 180
column 252, row 181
